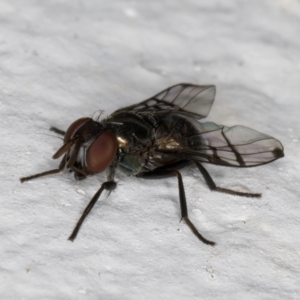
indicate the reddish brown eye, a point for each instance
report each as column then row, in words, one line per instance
column 101, row 152
column 73, row 127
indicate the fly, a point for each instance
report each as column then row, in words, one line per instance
column 155, row 138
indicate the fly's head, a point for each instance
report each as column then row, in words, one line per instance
column 89, row 148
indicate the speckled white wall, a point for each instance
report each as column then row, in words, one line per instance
column 62, row 60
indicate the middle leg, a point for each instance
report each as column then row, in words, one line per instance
column 165, row 173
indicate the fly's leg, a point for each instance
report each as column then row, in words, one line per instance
column 109, row 186
column 61, row 167
column 56, row 130
column 213, row 187
column 160, row 173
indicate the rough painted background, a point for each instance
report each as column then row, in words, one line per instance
column 62, row 60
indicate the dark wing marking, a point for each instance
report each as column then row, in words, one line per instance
column 236, row 146
column 189, row 99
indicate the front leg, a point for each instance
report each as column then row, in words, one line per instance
column 165, row 173
column 61, row 167
column 109, row 186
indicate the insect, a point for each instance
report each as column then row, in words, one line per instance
column 155, row 138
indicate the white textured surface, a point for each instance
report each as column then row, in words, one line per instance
column 61, row 60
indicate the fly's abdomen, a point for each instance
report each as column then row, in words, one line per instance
column 239, row 146
column 174, row 133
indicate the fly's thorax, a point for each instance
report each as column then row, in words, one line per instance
column 133, row 132
column 135, row 138
column 131, row 164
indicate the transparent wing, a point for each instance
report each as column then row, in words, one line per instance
column 237, row 146
column 189, row 99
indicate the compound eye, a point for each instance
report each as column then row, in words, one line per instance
column 73, row 128
column 101, row 152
